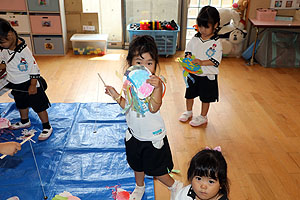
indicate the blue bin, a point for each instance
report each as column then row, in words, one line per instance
column 166, row 40
column 247, row 54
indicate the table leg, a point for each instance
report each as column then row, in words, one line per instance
column 253, row 51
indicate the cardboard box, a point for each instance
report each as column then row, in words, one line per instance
column 73, row 6
column 73, row 23
column 89, row 19
column 266, row 14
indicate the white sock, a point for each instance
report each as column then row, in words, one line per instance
column 189, row 112
column 137, row 193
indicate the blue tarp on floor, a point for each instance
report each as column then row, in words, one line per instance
column 84, row 155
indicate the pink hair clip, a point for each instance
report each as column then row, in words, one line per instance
column 217, row 148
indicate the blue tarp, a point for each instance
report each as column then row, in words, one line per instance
column 84, row 155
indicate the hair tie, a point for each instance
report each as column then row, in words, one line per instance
column 217, row 148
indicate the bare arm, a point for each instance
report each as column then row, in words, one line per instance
column 156, row 96
column 111, row 91
column 203, row 62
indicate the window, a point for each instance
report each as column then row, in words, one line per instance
column 194, row 8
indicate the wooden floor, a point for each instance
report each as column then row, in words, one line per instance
column 256, row 121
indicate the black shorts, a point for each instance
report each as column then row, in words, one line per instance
column 38, row 102
column 200, row 86
column 142, row 156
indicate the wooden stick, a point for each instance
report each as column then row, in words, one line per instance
column 101, row 79
column 105, row 85
column 28, row 138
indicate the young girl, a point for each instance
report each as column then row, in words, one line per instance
column 208, row 176
column 207, row 49
column 24, row 79
column 147, row 146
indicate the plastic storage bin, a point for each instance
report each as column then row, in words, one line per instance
column 265, row 14
column 89, row 44
column 12, row 5
column 43, row 5
column 166, row 40
column 50, row 45
column 19, row 22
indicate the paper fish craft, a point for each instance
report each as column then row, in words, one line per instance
column 4, row 123
column 189, row 67
column 136, row 88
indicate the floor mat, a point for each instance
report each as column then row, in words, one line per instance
column 85, row 154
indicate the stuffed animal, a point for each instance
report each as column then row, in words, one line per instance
column 229, row 20
column 232, row 46
column 240, row 7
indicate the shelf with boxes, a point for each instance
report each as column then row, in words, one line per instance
column 40, row 22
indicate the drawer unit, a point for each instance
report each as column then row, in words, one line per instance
column 27, row 40
column 19, row 22
column 12, row 5
column 50, row 45
column 43, row 5
column 45, row 24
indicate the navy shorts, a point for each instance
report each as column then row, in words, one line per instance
column 38, row 102
column 142, row 156
column 200, row 86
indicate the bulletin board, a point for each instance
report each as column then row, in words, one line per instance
column 285, row 4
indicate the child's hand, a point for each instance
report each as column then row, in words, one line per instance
column 111, row 91
column 32, row 89
column 10, row 148
column 154, row 81
column 197, row 61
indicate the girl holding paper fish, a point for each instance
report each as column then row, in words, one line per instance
column 147, row 148
column 206, row 47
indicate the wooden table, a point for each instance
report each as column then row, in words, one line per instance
column 268, row 24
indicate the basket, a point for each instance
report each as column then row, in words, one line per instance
column 165, row 40
column 265, row 14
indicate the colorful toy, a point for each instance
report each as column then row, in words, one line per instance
column 189, row 67
column 65, row 196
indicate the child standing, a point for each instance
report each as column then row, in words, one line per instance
column 24, row 79
column 207, row 49
column 208, row 177
column 147, row 148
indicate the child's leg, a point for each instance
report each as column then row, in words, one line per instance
column 24, row 113
column 204, row 109
column 189, row 104
column 173, row 185
column 47, row 129
column 166, row 180
column 139, row 178
column 202, row 119
column 188, row 113
column 24, row 123
column 139, row 190
column 43, row 116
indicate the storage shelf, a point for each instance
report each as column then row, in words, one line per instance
column 52, row 18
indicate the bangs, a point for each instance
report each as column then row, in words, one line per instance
column 208, row 171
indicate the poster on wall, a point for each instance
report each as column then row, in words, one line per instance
column 285, row 4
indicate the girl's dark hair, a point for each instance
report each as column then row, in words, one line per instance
column 208, row 15
column 5, row 27
column 210, row 163
column 142, row 44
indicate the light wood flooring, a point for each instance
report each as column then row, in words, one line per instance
column 256, row 121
